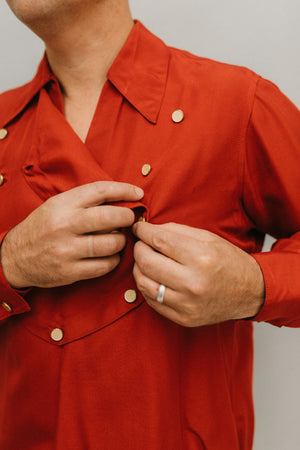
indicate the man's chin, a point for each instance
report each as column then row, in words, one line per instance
column 39, row 14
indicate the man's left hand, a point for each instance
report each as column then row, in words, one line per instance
column 208, row 279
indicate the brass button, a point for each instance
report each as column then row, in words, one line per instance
column 146, row 169
column 3, row 133
column 1, row 179
column 177, row 116
column 142, row 219
column 130, row 296
column 57, row 334
column 6, row 306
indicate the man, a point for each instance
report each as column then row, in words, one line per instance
column 86, row 362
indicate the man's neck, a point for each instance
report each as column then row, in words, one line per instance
column 81, row 56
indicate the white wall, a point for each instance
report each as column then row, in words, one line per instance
column 265, row 36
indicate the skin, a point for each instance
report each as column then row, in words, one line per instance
column 208, row 279
column 82, row 39
column 74, row 235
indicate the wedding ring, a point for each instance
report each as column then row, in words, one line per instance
column 161, row 293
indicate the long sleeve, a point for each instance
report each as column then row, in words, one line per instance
column 11, row 300
column 271, row 198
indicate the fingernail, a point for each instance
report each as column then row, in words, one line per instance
column 134, row 227
column 139, row 192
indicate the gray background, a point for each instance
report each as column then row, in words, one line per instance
column 265, row 36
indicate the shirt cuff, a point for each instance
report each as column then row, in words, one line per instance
column 282, row 304
column 11, row 300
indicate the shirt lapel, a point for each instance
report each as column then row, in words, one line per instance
column 57, row 159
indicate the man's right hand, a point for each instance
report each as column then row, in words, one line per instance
column 72, row 236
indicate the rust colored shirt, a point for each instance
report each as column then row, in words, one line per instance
column 115, row 375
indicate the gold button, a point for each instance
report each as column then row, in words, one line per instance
column 177, row 116
column 146, row 169
column 6, row 306
column 130, row 296
column 142, row 219
column 3, row 133
column 1, row 179
column 57, row 334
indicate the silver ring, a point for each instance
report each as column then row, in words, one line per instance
column 161, row 293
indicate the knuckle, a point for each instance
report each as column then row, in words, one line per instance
column 190, row 310
column 50, row 203
column 190, row 315
column 193, row 286
column 149, row 300
column 145, row 264
column 141, row 285
column 170, row 224
column 59, row 223
column 203, row 234
column 135, row 272
column 196, row 288
column 54, row 220
column 184, row 321
column 111, row 262
column 115, row 243
column 159, row 240
column 104, row 266
column 136, row 250
column 125, row 216
column 101, row 188
column 59, row 253
column 91, row 246
column 92, row 217
column 188, row 322
column 130, row 216
column 204, row 259
column 101, row 216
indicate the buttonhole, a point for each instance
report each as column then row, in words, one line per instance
column 29, row 168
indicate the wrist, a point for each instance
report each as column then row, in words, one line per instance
column 9, row 268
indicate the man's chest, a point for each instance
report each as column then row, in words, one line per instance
column 189, row 168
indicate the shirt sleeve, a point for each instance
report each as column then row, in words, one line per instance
column 11, row 300
column 271, row 198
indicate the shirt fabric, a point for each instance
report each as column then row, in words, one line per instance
column 122, row 376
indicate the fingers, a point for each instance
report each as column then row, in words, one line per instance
column 175, row 245
column 149, row 287
column 99, row 192
column 86, row 269
column 159, row 267
column 99, row 245
column 149, row 290
column 102, row 218
column 195, row 233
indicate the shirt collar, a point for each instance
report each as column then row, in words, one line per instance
column 139, row 73
column 16, row 100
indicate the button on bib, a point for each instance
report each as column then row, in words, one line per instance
column 177, row 116
column 3, row 133
column 57, row 334
column 130, row 296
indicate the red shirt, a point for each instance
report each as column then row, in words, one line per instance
column 113, row 374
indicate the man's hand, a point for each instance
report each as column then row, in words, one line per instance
column 72, row 236
column 208, row 279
